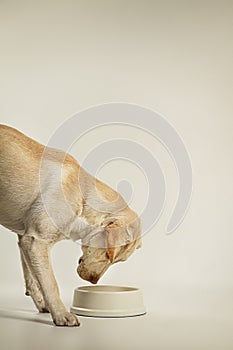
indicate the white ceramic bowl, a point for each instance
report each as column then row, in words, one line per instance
column 107, row 301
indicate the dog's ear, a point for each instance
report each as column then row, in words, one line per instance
column 116, row 237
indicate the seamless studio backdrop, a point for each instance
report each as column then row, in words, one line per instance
column 175, row 57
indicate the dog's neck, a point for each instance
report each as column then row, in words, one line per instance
column 81, row 228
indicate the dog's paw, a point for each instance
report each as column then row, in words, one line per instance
column 38, row 301
column 66, row 319
column 43, row 310
column 35, row 293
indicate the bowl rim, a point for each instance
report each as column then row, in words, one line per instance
column 109, row 289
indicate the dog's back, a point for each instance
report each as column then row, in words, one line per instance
column 22, row 177
column 19, row 164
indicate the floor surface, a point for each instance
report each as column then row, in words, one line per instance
column 179, row 321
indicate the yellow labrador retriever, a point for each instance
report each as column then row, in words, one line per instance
column 33, row 206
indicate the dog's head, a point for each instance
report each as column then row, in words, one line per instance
column 120, row 238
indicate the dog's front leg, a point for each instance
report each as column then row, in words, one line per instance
column 36, row 254
column 32, row 286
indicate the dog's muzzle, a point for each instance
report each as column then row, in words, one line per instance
column 85, row 275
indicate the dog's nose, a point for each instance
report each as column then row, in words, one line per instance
column 94, row 278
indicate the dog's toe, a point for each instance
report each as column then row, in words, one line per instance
column 66, row 319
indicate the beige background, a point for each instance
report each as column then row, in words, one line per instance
column 58, row 57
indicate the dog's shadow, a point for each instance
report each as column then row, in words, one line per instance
column 25, row 315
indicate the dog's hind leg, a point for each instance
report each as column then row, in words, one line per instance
column 32, row 286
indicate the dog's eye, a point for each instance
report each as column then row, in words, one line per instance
column 80, row 260
column 107, row 256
